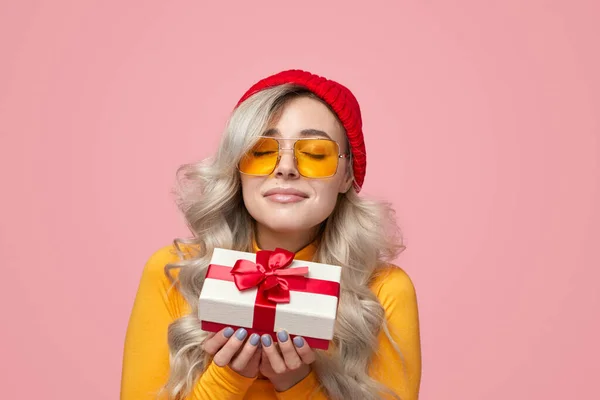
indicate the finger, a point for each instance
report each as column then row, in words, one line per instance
column 275, row 359
column 265, row 365
column 214, row 342
column 256, row 358
column 288, row 350
column 303, row 350
column 240, row 361
column 224, row 356
column 209, row 335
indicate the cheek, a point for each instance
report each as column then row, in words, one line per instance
column 327, row 195
column 250, row 191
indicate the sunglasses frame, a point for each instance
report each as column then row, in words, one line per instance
column 279, row 149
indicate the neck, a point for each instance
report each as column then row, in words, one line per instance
column 267, row 239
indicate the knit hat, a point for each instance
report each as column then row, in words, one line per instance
column 339, row 98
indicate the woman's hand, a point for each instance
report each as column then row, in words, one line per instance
column 288, row 365
column 225, row 347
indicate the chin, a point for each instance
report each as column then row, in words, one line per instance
column 285, row 227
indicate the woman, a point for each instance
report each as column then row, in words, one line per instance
column 287, row 173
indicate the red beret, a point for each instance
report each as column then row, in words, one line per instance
column 339, row 98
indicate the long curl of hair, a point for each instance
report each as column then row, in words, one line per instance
column 360, row 235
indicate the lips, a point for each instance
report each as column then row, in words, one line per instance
column 285, row 191
column 285, row 195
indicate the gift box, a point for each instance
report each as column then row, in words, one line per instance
column 269, row 291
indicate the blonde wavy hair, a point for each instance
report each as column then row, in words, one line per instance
column 360, row 235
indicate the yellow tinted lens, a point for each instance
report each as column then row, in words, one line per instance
column 261, row 159
column 317, row 158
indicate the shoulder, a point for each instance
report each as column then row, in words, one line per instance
column 157, row 293
column 156, row 262
column 161, row 257
column 392, row 284
column 160, row 289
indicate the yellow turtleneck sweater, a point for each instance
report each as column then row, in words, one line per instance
column 146, row 353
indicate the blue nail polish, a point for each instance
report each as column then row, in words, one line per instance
column 283, row 336
column 241, row 334
column 228, row 332
column 298, row 341
column 254, row 338
column 266, row 340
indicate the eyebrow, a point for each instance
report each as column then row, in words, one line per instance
column 303, row 133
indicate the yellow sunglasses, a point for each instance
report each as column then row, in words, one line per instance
column 314, row 157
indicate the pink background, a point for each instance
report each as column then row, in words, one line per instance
column 482, row 127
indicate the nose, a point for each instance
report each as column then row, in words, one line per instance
column 286, row 167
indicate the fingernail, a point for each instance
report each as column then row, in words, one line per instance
column 254, row 338
column 283, row 336
column 228, row 332
column 266, row 340
column 241, row 334
column 298, row 341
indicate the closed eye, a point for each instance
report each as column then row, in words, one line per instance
column 262, row 153
column 314, row 156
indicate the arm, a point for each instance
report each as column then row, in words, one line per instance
column 304, row 389
column 146, row 352
column 402, row 375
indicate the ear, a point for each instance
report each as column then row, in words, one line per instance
column 346, row 183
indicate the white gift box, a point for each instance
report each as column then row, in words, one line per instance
column 313, row 296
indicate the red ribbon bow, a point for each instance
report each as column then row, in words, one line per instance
column 268, row 274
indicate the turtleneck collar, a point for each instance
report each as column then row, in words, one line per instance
column 305, row 254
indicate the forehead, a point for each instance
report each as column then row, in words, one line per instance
column 306, row 117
